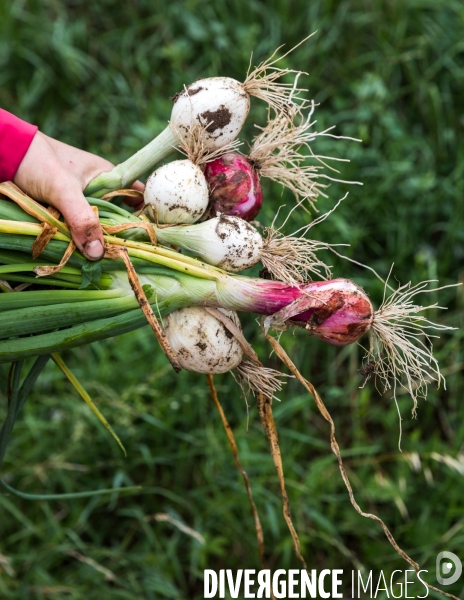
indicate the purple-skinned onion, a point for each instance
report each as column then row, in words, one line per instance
column 234, row 186
column 337, row 311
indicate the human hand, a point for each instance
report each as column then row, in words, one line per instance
column 56, row 173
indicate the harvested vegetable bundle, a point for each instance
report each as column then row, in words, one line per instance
column 177, row 192
column 336, row 311
column 189, row 303
column 164, row 283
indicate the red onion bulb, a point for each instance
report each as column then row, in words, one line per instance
column 234, row 186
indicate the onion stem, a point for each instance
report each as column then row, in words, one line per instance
column 168, row 258
column 23, row 228
column 86, row 333
column 44, row 281
column 10, row 302
column 124, row 174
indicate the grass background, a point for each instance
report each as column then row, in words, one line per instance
column 99, row 75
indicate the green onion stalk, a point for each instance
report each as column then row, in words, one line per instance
column 143, row 161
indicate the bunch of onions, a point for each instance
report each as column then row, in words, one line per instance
column 219, row 186
column 178, row 193
column 142, row 280
column 38, row 322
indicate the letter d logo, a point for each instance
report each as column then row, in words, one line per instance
column 446, row 561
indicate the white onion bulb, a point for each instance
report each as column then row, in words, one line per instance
column 225, row 241
column 177, row 193
column 221, row 104
column 202, row 343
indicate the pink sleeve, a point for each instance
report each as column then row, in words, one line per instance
column 15, row 138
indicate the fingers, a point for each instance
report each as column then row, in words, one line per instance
column 138, row 185
column 83, row 223
column 135, row 203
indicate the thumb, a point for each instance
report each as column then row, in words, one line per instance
column 84, row 225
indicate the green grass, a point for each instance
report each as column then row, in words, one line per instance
column 99, row 75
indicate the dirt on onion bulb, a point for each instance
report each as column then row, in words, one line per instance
column 202, row 343
column 214, row 343
column 226, row 242
column 221, row 104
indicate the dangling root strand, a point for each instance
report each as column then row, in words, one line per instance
column 292, row 259
column 233, row 445
column 262, row 83
column 267, row 420
column 258, row 379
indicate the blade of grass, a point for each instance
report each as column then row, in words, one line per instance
column 13, row 397
column 17, row 396
column 30, row 381
column 70, row 495
column 85, row 396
